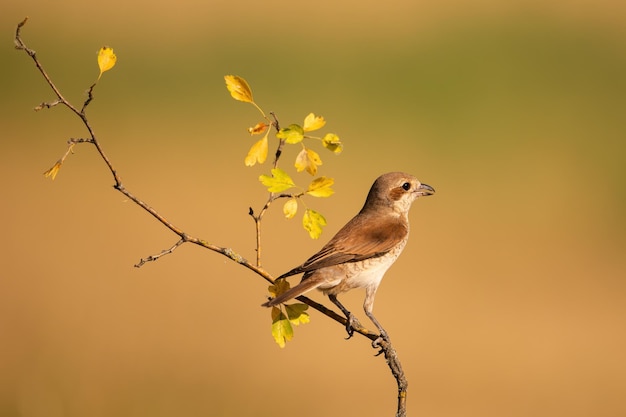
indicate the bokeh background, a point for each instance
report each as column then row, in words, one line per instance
column 510, row 298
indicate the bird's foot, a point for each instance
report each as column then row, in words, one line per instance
column 376, row 344
column 351, row 323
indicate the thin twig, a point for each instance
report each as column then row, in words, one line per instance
column 272, row 196
column 46, row 105
column 281, row 142
column 89, row 98
column 164, row 252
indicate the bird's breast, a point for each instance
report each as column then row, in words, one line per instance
column 362, row 274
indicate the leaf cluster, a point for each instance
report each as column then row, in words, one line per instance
column 306, row 160
column 281, row 185
column 285, row 316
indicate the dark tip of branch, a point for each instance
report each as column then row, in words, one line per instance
column 250, row 211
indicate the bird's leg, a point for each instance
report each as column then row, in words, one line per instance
column 351, row 320
column 383, row 334
column 368, row 306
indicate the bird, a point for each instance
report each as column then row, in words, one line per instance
column 363, row 250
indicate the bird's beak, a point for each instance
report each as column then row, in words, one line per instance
column 424, row 190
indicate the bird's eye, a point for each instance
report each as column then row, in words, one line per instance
column 406, row 186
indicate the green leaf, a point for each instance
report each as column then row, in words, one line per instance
column 278, row 182
column 290, row 208
column 312, row 221
column 292, row 134
column 296, row 313
column 320, row 187
column 332, row 143
column 281, row 327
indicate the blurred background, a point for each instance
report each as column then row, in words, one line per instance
column 509, row 300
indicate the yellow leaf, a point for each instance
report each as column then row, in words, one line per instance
column 258, row 129
column 280, row 286
column 52, row 172
column 279, row 181
column 314, row 161
column 313, row 122
column 239, row 88
column 290, row 208
column 106, row 59
column 281, row 327
column 313, row 223
column 258, row 152
column 296, row 313
column 320, row 187
column 292, row 134
column 301, row 161
column 332, row 143
column 309, row 160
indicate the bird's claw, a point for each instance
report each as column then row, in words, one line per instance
column 376, row 344
column 351, row 323
column 350, row 331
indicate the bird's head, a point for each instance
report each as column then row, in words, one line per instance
column 396, row 190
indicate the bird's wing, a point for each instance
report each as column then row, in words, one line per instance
column 360, row 239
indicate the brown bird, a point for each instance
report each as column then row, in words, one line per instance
column 361, row 252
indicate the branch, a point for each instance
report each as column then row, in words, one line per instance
column 385, row 346
column 153, row 258
column 258, row 218
column 184, row 237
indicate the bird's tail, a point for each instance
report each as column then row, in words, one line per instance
column 301, row 288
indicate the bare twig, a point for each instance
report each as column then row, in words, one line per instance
column 385, row 346
column 46, row 105
column 391, row 356
column 89, row 98
column 164, row 252
column 281, row 142
column 272, row 196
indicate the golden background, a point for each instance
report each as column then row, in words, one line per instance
column 509, row 300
